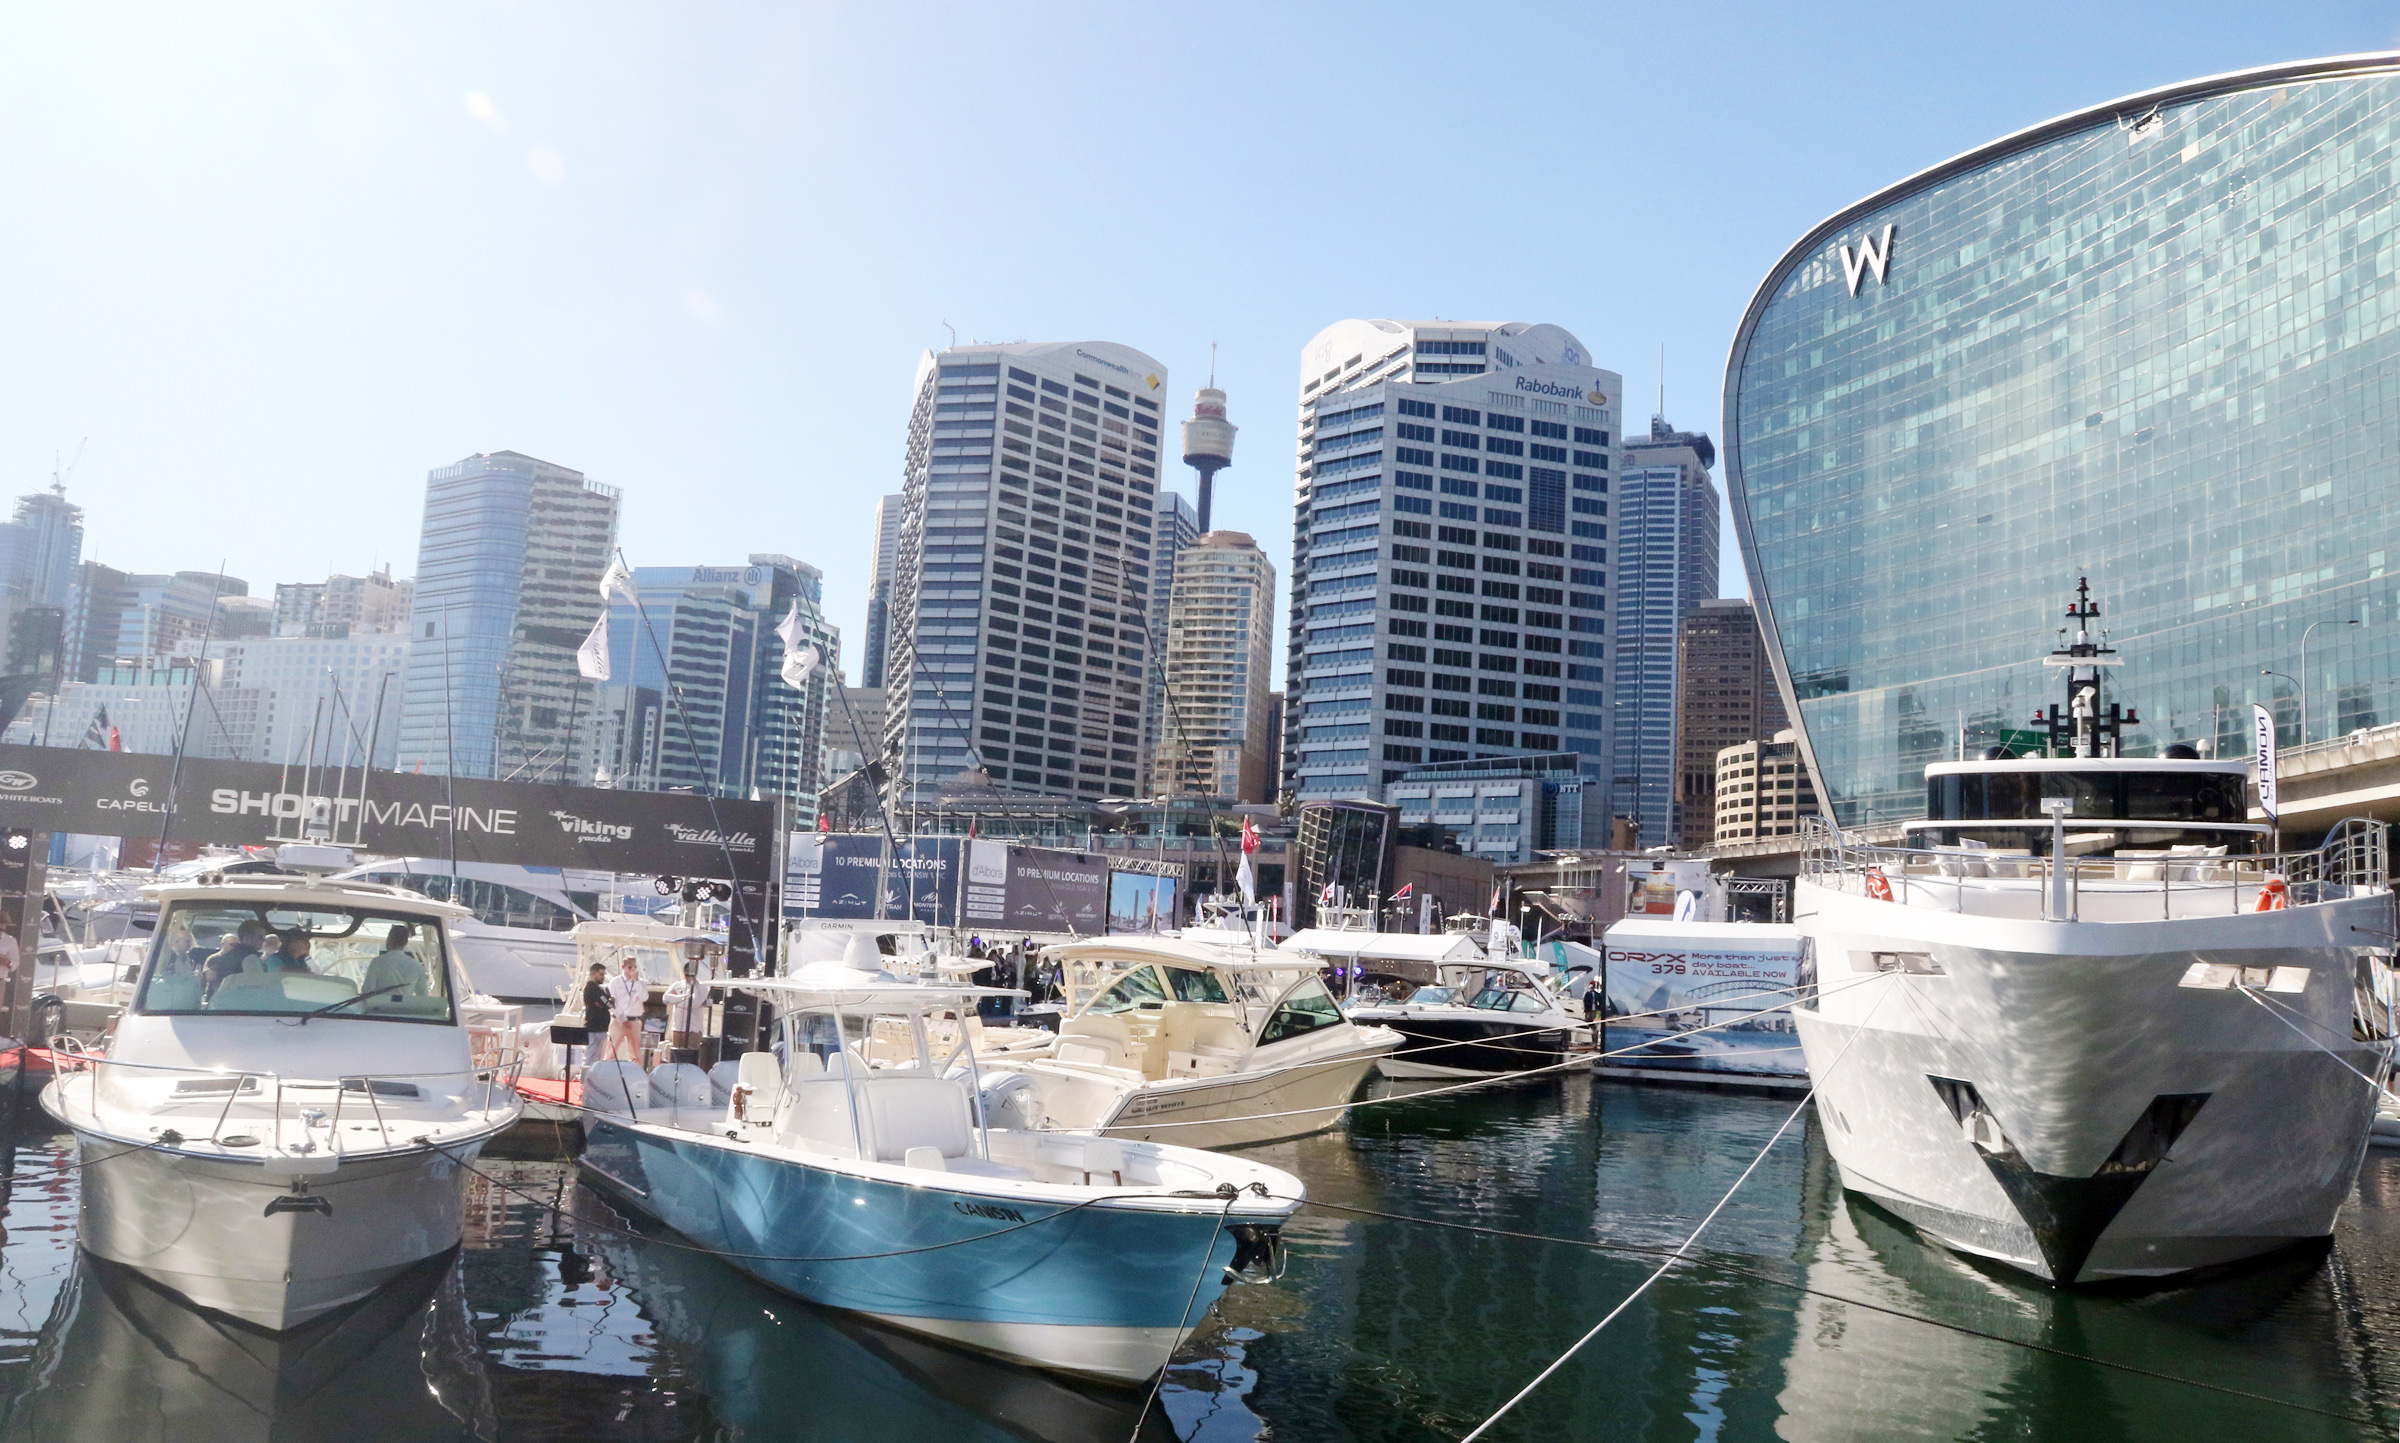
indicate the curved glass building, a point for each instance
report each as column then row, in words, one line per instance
column 2156, row 343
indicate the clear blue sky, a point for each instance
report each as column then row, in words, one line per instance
column 276, row 260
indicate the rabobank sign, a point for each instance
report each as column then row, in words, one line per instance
column 1554, row 388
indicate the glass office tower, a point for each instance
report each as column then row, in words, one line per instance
column 2156, row 343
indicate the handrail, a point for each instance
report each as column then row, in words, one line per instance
column 2354, row 856
column 500, row 1077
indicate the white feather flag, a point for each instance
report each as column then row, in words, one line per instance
column 800, row 651
column 592, row 657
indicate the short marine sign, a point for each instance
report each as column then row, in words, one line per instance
column 125, row 794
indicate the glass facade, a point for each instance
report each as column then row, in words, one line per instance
column 2156, row 344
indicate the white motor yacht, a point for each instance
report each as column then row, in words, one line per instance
column 2084, row 1025
column 1191, row 1040
column 1476, row 1019
column 514, row 933
column 278, row 1122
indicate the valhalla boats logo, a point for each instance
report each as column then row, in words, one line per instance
column 710, row 837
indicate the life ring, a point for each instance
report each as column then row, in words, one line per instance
column 1879, row 887
column 2273, row 895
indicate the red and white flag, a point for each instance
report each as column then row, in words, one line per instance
column 1325, row 898
column 1407, row 890
column 1247, row 877
column 1495, row 899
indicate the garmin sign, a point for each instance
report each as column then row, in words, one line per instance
column 126, row 794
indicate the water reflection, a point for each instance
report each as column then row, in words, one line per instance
column 558, row 1319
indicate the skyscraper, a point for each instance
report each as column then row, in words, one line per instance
column 508, row 585
column 1667, row 524
column 1022, row 589
column 695, row 695
column 142, row 619
column 1450, row 566
column 340, row 604
column 879, row 590
column 1726, row 696
column 1220, row 646
column 1177, row 526
column 41, row 550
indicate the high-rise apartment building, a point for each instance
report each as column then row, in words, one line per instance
column 879, row 590
column 340, row 604
column 1451, row 559
column 1762, row 789
column 41, row 549
column 323, row 700
column 1022, row 592
column 1177, row 526
column 1726, row 696
column 1220, row 647
column 143, row 619
column 695, row 695
column 508, row 585
column 1667, row 527
column 854, row 730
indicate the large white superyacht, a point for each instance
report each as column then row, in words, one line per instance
column 2086, row 1023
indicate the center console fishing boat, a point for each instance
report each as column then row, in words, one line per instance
column 277, row 1125
column 2086, row 1024
column 864, row 1175
column 1191, row 1040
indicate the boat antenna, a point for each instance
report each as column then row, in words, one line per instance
column 2081, row 728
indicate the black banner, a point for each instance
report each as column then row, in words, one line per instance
column 125, row 794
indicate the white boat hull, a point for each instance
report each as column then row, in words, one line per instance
column 200, row 1227
column 2053, row 1098
column 515, row 964
column 1241, row 1109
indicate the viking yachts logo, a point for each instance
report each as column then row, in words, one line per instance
column 584, row 829
column 18, row 781
column 1873, row 254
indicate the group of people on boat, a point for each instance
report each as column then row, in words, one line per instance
column 255, row 947
column 613, row 1007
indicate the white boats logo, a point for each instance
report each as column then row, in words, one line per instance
column 584, row 829
column 18, row 781
column 710, row 837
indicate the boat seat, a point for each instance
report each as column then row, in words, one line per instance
column 916, row 1112
column 616, row 1086
column 1098, row 1039
column 1219, row 1037
column 1104, row 1161
column 2140, row 866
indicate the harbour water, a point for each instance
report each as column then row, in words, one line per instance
column 1811, row 1317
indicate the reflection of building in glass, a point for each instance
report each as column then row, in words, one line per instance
column 2137, row 343
column 1666, row 565
column 1220, row 646
column 1023, row 590
column 1507, row 808
column 1762, row 790
column 1346, row 844
column 508, row 585
column 1727, row 697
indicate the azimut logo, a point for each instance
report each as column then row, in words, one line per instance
column 710, row 837
column 584, row 829
column 1873, row 254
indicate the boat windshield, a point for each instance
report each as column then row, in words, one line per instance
column 221, row 957
column 1504, row 999
column 1432, row 996
column 1135, row 989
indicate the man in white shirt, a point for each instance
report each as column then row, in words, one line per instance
column 628, row 994
column 687, row 1007
column 396, row 968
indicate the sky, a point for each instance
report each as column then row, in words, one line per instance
column 268, row 263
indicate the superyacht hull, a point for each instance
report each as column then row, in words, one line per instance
column 2076, row 1098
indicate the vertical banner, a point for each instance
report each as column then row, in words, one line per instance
column 987, row 881
column 2262, row 728
column 24, row 874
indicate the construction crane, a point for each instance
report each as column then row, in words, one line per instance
column 59, row 474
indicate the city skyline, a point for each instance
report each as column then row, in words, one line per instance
column 272, row 301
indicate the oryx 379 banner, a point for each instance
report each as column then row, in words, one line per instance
column 125, row 794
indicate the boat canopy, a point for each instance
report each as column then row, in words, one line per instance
column 1398, row 946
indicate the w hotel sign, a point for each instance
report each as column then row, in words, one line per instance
column 127, row 794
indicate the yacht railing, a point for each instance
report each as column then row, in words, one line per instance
column 2353, row 858
column 485, row 1087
